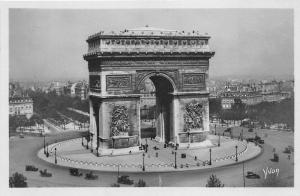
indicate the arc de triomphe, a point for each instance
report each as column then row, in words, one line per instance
column 176, row 62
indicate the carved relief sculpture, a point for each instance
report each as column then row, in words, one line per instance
column 114, row 82
column 193, row 79
column 119, row 121
column 193, row 118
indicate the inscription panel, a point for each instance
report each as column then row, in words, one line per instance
column 197, row 137
column 183, row 138
column 119, row 82
column 195, row 80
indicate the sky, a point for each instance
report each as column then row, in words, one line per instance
column 48, row 44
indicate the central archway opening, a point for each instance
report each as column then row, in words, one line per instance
column 156, row 108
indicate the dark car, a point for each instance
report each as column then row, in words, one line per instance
column 91, row 176
column 261, row 141
column 125, row 180
column 250, row 139
column 252, row 175
column 250, row 130
column 31, row 168
column 44, row 173
column 75, row 172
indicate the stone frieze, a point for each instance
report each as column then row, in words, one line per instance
column 118, row 82
column 193, row 79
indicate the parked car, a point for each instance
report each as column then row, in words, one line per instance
column 252, row 175
column 31, row 168
column 250, row 130
column 261, row 141
column 125, row 180
column 250, row 139
column 75, row 172
column 44, row 173
column 91, row 176
column 276, row 157
column 21, row 135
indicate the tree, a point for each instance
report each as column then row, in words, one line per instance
column 213, row 181
column 140, row 183
column 239, row 109
column 17, row 180
column 215, row 106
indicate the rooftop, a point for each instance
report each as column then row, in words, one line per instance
column 149, row 31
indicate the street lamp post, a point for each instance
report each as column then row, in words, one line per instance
column 215, row 129
column 143, row 161
column 44, row 144
column 236, row 157
column 118, row 171
column 210, row 156
column 97, row 146
column 55, row 156
column 175, row 166
column 91, row 142
column 47, row 153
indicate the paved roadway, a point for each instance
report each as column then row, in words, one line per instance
column 23, row 152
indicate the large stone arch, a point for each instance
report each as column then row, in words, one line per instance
column 118, row 67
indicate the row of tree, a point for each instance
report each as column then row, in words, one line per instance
column 23, row 122
column 264, row 112
column 49, row 105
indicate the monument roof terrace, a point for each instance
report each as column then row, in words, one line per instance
column 149, row 32
column 147, row 40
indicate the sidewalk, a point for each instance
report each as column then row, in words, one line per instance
column 72, row 154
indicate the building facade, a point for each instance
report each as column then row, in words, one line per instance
column 81, row 90
column 21, row 106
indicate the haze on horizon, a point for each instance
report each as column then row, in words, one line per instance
column 46, row 44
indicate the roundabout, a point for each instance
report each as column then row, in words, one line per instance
column 72, row 154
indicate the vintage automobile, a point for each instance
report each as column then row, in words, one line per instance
column 75, row 172
column 125, row 180
column 250, row 140
column 252, row 175
column 31, row 168
column 275, row 158
column 227, row 130
column 260, row 141
column 44, row 173
column 91, row 176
